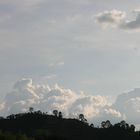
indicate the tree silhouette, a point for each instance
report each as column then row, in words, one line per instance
column 103, row 124
column 124, row 125
column 60, row 115
column 55, row 113
column 39, row 125
column 132, row 128
column 106, row 124
column 11, row 117
column 82, row 118
column 31, row 109
column 92, row 125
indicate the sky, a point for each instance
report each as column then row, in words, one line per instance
column 89, row 46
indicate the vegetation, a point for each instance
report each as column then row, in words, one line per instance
column 37, row 125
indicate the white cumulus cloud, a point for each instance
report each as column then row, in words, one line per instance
column 43, row 97
column 129, row 105
column 97, row 108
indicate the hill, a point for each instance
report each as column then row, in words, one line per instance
column 41, row 126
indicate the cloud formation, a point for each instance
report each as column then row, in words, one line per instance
column 95, row 108
column 118, row 19
column 132, row 25
column 46, row 98
column 129, row 105
column 110, row 18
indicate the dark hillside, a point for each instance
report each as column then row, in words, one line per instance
column 41, row 126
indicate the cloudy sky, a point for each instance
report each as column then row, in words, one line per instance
column 82, row 45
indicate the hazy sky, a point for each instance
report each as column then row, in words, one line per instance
column 76, row 56
column 88, row 45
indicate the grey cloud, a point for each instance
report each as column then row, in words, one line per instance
column 118, row 19
column 110, row 18
column 132, row 25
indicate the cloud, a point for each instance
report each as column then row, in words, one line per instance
column 118, row 19
column 110, row 18
column 129, row 105
column 26, row 94
column 89, row 105
column 132, row 25
column 109, row 113
column 95, row 108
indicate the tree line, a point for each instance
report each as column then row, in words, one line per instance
column 38, row 125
